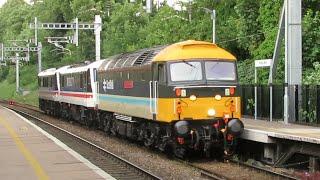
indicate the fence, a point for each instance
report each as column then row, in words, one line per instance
column 307, row 102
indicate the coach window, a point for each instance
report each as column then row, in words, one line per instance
column 81, row 80
column 46, row 82
column 50, row 82
column 62, row 81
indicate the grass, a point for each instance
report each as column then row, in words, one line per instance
column 28, row 82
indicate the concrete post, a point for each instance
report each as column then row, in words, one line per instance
column 76, row 34
column 97, row 31
column 36, row 31
column 39, row 57
column 213, row 16
column 293, row 55
column 149, row 4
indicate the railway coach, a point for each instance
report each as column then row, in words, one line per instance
column 78, row 92
column 48, row 90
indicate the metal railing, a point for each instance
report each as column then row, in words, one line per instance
column 307, row 98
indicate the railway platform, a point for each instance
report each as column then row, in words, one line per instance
column 282, row 141
column 28, row 152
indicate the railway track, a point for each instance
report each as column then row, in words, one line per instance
column 218, row 176
column 113, row 164
column 205, row 173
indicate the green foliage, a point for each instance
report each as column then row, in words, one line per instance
column 311, row 40
column 122, row 33
column 312, row 75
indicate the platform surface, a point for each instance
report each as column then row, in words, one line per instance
column 27, row 152
column 264, row 131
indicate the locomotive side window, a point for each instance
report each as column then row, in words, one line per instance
column 162, row 73
column 220, row 70
column 186, row 71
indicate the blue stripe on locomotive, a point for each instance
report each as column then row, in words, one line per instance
column 124, row 99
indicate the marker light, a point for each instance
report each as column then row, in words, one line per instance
column 232, row 90
column 178, row 92
column 193, row 98
column 217, row 97
column 211, row 112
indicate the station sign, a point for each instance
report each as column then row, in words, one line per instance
column 263, row 63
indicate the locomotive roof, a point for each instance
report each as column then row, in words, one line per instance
column 137, row 58
column 47, row 72
column 190, row 49
column 77, row 69
column 193, row 50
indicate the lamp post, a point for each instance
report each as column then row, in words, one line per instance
column 213, row 18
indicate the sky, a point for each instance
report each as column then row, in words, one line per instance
column 2, row 2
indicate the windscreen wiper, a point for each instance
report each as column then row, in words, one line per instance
column 188, row 63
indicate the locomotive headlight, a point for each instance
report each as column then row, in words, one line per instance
column 211, row 112
column 217, row 97
column 193, row 98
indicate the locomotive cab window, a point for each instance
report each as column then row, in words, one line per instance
column 186, row 71
column 220, row 70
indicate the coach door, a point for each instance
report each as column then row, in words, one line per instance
column 89, row 87
column 96, row 87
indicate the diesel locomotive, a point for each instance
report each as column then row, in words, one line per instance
column 181, row 97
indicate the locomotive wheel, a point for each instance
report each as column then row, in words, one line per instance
column 108, row 126
column 180, row 152
column 89, row 119
column 114, row 127
column 149, row 139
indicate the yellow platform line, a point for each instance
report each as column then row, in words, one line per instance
column 41, row 174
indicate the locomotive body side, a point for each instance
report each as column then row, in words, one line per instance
column 184, row 95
